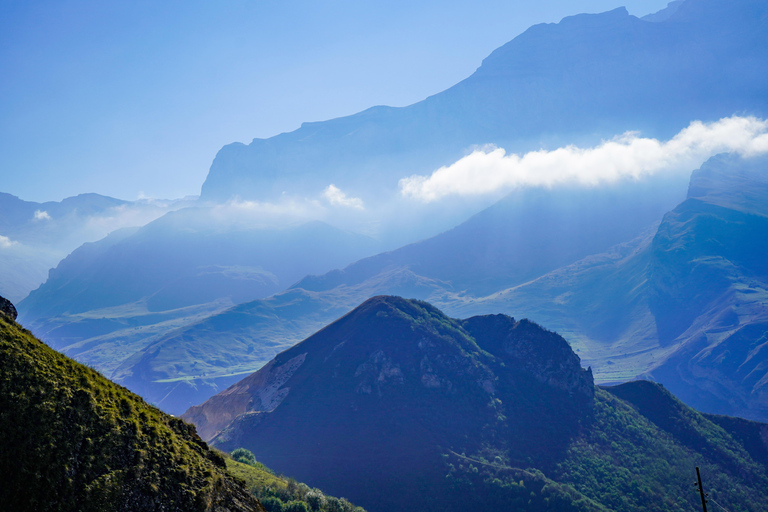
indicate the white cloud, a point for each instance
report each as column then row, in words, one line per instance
column 338, row 198
column 6, row 242
column 252, row 214
column 41, row 215
column 626, row 156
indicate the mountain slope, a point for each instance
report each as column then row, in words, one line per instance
column 36, row 236
column 72, row 440
column 588, row 77
column 185, row 258
column 435, row 413
column 522, row 236
column 687, row 304
column 108, row 301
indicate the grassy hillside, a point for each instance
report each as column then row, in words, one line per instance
column 74, row 441
column 281, row 494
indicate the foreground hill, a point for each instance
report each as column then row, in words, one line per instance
column 588, row 77
column 73, row 441
column 399, row 407
column 279, row 493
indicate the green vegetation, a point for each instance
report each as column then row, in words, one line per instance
column 628, row 457
column 74, row 441
column 280, row 494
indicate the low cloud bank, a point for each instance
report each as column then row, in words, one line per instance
column 627, row 156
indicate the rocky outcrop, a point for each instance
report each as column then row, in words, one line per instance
column 7, row 308
column 262, row 391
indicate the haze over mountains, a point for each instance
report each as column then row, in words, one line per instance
column 604, row 179
column 613, row 305
column 107, row 301
column 677, row 303
column 586, row 78
column 34, row 237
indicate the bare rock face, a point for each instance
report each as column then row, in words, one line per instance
column 7, row 308
column 261, row 391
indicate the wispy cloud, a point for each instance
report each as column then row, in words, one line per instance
column 626, row 156
column 288, row 210
column 6, row 242
column 41, row 215
column 338, row 198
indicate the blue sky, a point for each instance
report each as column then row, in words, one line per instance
column 136, row 97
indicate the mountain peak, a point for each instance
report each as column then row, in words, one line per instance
column 665, row 13
column 435, row 409
column 391, row 349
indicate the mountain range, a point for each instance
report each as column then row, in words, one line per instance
column 519, row 238
column 165, row 311
column 262, row 312
column 685, row 304
column 587, row 78
column 34, row 237
column 612, row 302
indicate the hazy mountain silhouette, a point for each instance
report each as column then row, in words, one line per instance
column 587, row 77
column 686, row 303
column 34, row 237
column 528, row 233
column 109, row 300
column 636, row 308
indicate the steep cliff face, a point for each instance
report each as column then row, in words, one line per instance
column 708, row 289
column 262, row 391
column 544, row 354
